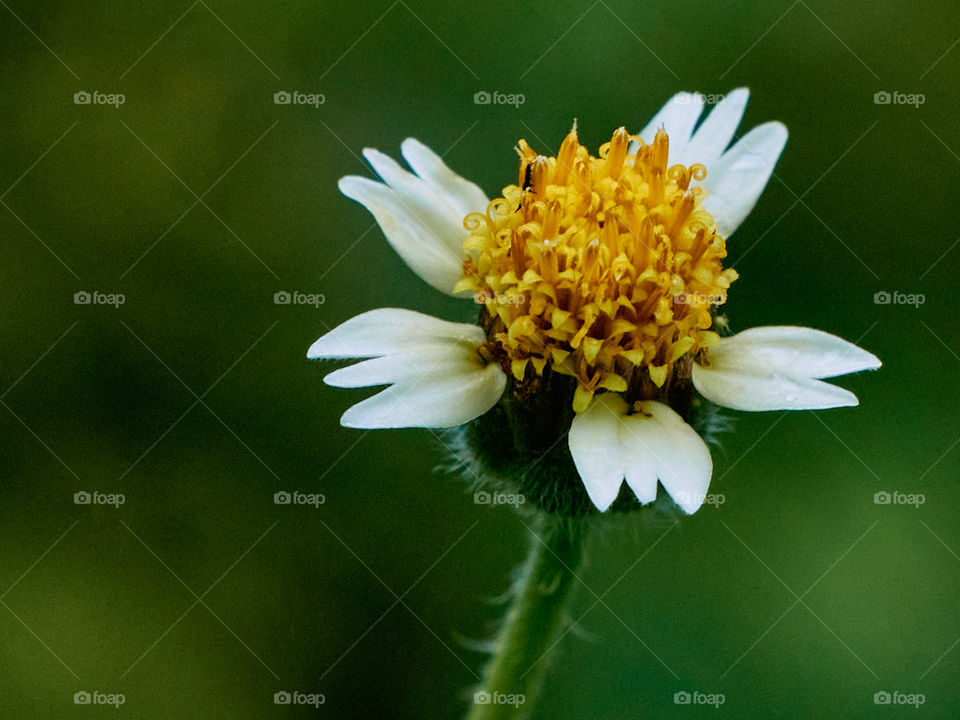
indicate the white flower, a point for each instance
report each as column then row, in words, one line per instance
column 579, row 267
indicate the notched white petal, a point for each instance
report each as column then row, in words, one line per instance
column 780, row 368
column 594, row 442
column 420, row 214
column 389, row 330
column 678, row 117
column 736, row 180
column 434, row 260
column 802, row 351
column 735, row 177
column 715, row 132
column 440, row 393
column 401, row 366
column 757, row 390
column 609, row 446
column 463, row 195
column 437, row 377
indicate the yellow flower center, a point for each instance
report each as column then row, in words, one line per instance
column 605, row 267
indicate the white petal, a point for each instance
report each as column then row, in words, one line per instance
column 433, row 259
column 389, row 330
column 438, row 392
column 464, row 196
column 594, row 442
column 797, row 351
column 686, row 465
column 436, row 376
column 735, row 181
column 420, row 199
column 778, row 368
column 715, row 132
column 678, row 117
column 420, row 215
column 408, row 365
column 609, row 446
column 757, row 390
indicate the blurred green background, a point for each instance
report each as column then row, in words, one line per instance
column 199, row 198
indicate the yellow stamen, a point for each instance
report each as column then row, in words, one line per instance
column 611, row 263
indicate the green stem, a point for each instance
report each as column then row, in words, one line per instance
column 534, row 622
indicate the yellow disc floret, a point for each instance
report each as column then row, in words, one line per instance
column 607, row 267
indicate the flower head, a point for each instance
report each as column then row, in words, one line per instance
column 598, row 265
column 600, row 278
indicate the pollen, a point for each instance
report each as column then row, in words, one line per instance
column 607, row 269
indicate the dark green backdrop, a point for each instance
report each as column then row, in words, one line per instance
column 199, row 198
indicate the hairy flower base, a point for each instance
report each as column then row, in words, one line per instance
column 607, row 268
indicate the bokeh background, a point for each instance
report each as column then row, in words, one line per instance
column 199, row 198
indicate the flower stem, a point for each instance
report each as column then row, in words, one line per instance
column 534, row 622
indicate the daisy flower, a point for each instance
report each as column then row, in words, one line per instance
column 598, row 281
